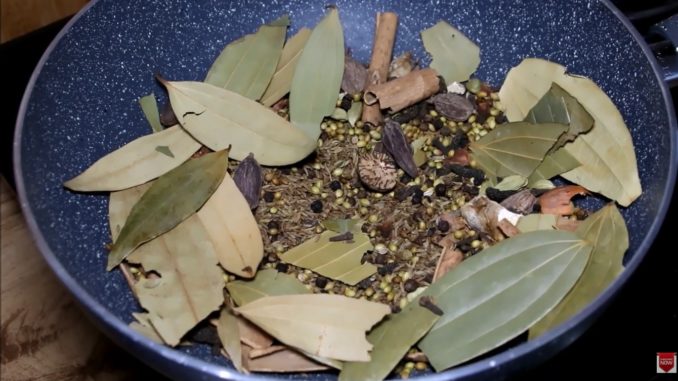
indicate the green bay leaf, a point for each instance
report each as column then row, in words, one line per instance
column 455, row 56
column 606, row 230
column 606, row 152
column 392, row 338
column 246, row 66
column 150, row 108
column 513, row 182
column 317, row 77
column 515, row 148
column 336, row 260
column 282, row 79
column 266, row 283
column 171, row 199
column 219, row 118
column 500, row 292
column 555, row 163
column 136, row 162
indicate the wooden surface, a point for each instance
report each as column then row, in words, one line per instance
column 18, row 17
column 44, row 334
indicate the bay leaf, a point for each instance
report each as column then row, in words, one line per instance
column 282, row 79
column 515, row 148
column 509, row 183
column 339, row 114
column 171, row 199
column 557, row 106
column 331, row 326
column 229, row 335
column 543, row 185
column 455, row 57
column 228, row 221
column 150, row 108
column 136, row 162
column 252, row 335
column 267, row 282
column 317, row 77
column 341, row 225
column 219, row 119
column 248, row 67
column 143, row 326
column 555, row 163
column 606, row 230
column 498, row 293
column 606, row 152
column 336, row 260
column 283, row 361
column 392, row 338
column 536, row 221
column 449, row 259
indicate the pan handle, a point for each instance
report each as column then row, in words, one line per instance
column 665, row 48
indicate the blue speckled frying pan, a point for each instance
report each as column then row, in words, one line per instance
column 82, row 103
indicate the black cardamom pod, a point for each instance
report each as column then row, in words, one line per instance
column 248, row 178
column 396, row 144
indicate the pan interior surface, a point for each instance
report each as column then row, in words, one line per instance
column 83, row 104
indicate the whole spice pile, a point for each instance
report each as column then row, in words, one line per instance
column 407, row 203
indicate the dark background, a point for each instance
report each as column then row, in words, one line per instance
column 622, row 344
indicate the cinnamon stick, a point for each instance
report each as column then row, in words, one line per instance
column 404, row 91
column 382, row 50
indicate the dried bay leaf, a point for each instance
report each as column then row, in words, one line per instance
column 232, row 229
column 455, row 57
column 282, row 79
column 335, row 260
column 326, row 325
column 498, row 293
column 557, row 106
column 606, row 230
column 150, row 108
column 317, row 77
column 171, row 199
column 606, row 152
column 229, row 334
column 252, row 335
column 392, row 338
column 341, row 225
column 283, row 361
column 533, row 222
column 247, row 68
column 268, row 282
column 219, row 119
column 136, row 162
column 515, row 148
column 555, row 163
column 143, row 326
column 509, row 183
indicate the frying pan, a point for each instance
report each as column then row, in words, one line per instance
column 81, row 104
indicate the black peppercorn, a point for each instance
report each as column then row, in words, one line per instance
column 335, row 185
column 321, row 282
column 273, row 224
column 410, row 285
column 282, row 267
column 417, row 196
column 269, row 196
column 441, row 190
column 317, row 206
column 386, row 269
column 443, row 226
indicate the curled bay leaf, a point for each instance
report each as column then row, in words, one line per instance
column 607, row 231
column 557, row 201
column 229, row 335
column 232, row 229
column 219, row 119
column 282, row 79
column 136, row 162
column 515, row 148
column 171, row 199
column 391, row 339
column 267, row 283
column 317, row 77
column 150, row 108
column 248, row 66
column 485, row 305
column 335, row 260
column 455, row 57
column 326, row 325
column 606, row 152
